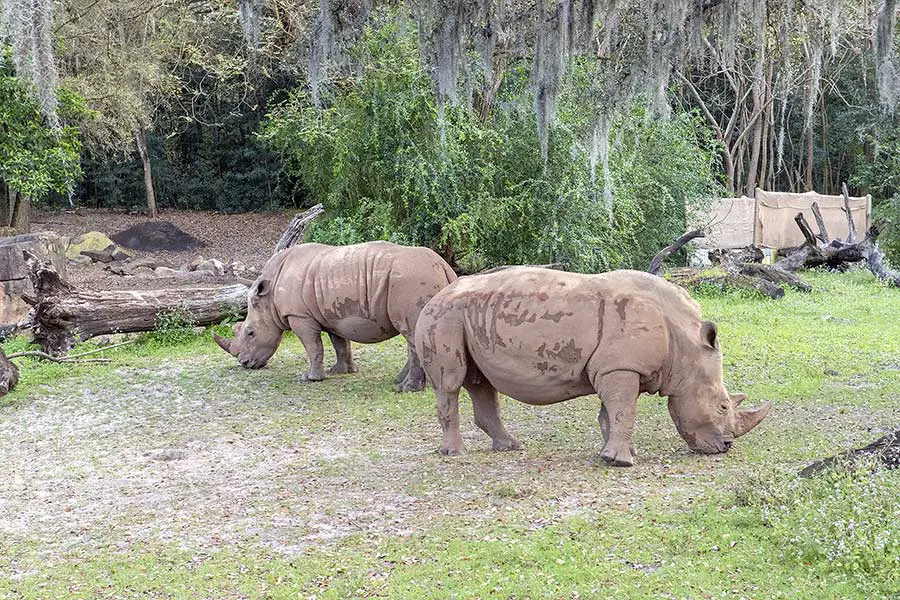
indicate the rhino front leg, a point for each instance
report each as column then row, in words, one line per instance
column 344, row 362
column 618, row 391
column 414, row 377
column 486, row 407
column 310, row 334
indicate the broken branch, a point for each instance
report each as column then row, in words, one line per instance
column 666, row 252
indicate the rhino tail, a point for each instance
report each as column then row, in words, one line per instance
column 449, row 272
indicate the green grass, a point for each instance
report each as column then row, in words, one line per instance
column 284, row 490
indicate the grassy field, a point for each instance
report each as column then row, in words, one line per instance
column 172, row 472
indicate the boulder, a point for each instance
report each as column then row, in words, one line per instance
column 14, row 279
column 213, row 266
column 98, row 247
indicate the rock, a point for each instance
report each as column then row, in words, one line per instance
column 165, row 272
column 47, row 246
column 97, row 247
column 192, row 264
column 239, row 269
column 213, row 266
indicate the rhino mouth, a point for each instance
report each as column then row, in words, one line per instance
column 712, row 446
column 252, row 363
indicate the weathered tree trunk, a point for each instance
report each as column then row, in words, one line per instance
column 141, row 138
column 15, row 211
column 63, row 314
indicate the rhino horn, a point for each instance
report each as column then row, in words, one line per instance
column 736, row 399
column 225, row 344
column 748, row 419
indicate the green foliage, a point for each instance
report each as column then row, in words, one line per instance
column 35, row 159
column 844, row 520
column 880, row 174
column 172, row 328
column 389, row 163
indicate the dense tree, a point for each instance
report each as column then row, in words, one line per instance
column 37, row 157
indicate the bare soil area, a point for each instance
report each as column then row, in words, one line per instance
column 248, row 238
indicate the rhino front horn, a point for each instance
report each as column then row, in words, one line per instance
column 225, row 344
column 748, row 419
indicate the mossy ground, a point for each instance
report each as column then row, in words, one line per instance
column 172, row 472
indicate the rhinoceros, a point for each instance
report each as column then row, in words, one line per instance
column 363, row 293
column 543, row 336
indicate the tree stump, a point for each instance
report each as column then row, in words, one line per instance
column 9, row 374
column 64, row 314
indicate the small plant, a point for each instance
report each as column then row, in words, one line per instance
column 173, row 327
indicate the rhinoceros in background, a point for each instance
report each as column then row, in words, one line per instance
column 363, row 293
column 543, row 336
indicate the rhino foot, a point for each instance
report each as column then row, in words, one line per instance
column 312, row 377
column 410, row 385
column 342, row 368
column 617, row 455
column 508, row 444
column 461, row 451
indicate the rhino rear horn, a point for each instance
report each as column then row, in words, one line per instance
column 748, row 419
column 225, row 344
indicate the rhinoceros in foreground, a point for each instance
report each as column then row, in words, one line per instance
column 543, row 336
column 364, row 293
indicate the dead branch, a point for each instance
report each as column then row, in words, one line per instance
column 297, row 228
column 820, row 223
column 63, row 359
column 851, row 226
column 666, row 252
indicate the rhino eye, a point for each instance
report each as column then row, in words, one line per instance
column 723, row 408
column 250, row 333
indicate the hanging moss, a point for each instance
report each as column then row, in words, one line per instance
column 28, row 26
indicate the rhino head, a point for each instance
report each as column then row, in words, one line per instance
column 706, row 415
column 256, row 338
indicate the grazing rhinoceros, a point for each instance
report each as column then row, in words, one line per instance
column 364, row 293
column 543, row 336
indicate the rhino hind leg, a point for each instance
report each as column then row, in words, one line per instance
column 310, row 334
column 448, row 415
column 486, row 406
column 344, row 362
column 618, row 391
column 413, row 375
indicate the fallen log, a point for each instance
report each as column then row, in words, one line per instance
column 749, row 276
column 885, row 450
column 64, row 315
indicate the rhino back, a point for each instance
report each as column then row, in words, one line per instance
column 359, row 291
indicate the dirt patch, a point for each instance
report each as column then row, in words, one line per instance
column 153, row 236
column 249, row 238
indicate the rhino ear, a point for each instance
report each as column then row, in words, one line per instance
column 709, row 334
column 262, row 288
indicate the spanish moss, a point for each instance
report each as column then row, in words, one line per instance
column 29, row 27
